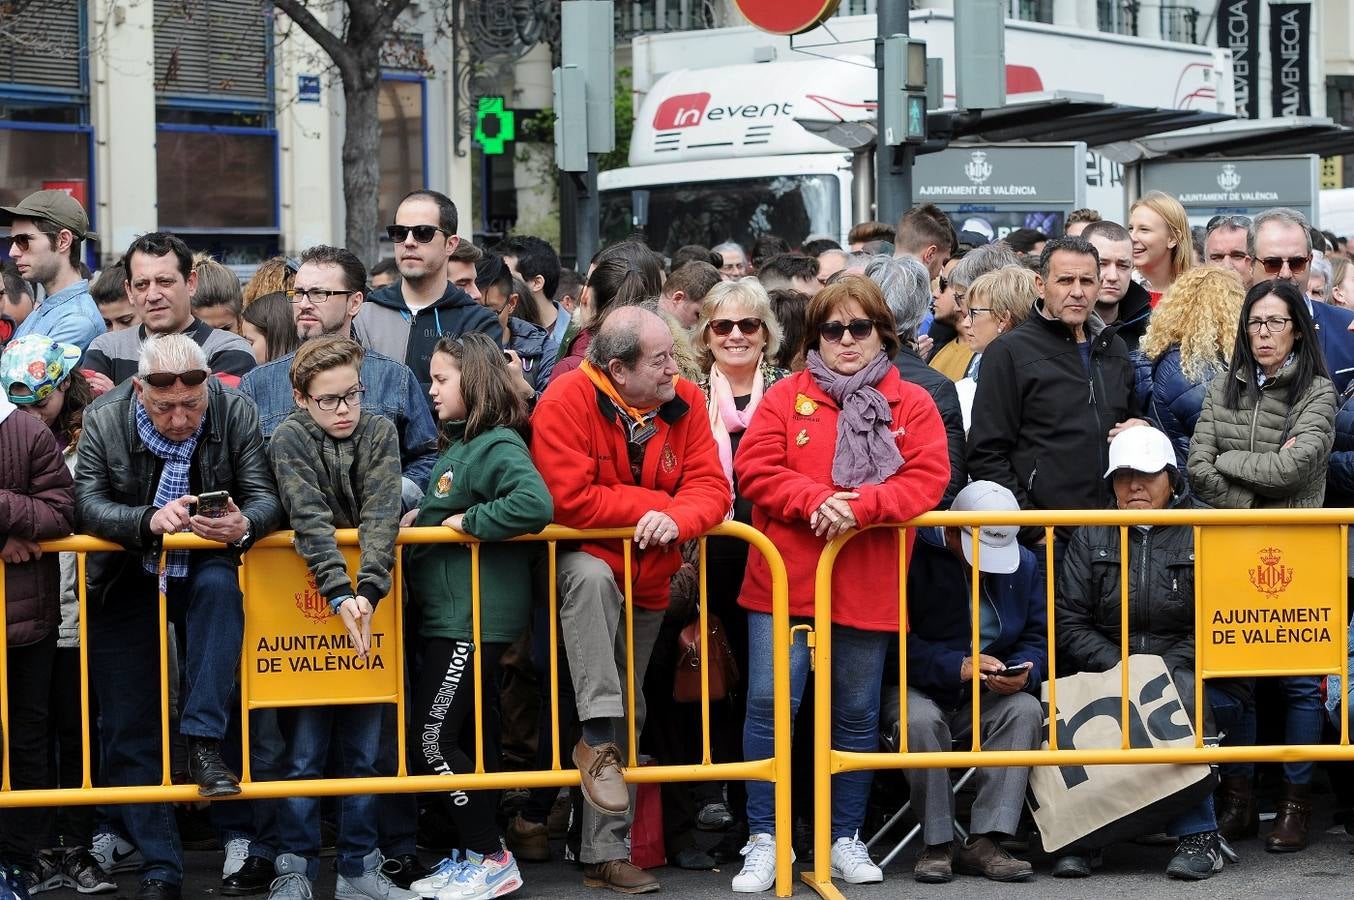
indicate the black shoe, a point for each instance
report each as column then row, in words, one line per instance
column 155, row 889
column 213, row 776
column 253, row 877
column 404, row 870
column 1197, row 857
column 694, row 859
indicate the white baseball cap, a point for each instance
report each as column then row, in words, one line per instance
column 1141, row 448
column 999, row 553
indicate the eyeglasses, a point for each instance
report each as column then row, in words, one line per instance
column 832, row 331
column 330, row 402
column 422, row 233
column 314, row 295
column 748, row 326
column 958, row 297
column 1274, row 264
column 1229, row 221
column 942, row 283
column 191, row 378
column 1237, row 255
column 972, row 311
column 1273, row 325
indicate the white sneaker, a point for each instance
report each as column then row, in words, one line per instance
column 759, row 865
column 237, row 851
column 115, row 853
column 480, row 878
column 851, row 862
column 442, row 874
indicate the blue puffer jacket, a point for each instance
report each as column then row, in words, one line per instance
column 1340, row 474
column 1176, row 401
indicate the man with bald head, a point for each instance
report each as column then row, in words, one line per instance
column 622, row 442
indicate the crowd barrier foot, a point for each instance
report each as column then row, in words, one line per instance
column 825, row 889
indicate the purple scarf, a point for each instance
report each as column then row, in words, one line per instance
column 867, row 451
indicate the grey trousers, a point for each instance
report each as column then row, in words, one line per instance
column 592, row 621
column 1010, row 722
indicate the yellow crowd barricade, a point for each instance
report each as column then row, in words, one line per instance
column 295, row 654
column 1252, row 568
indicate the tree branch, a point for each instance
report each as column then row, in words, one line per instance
column 385, row 20
column 338, row 51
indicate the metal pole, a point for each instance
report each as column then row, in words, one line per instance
column 587, row 214
column 893, row 165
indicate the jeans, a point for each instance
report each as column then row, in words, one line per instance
column 1302, row 725
column 124, row 659
column 352, row 734
column 857, row 671
column 253, row 820
column 1227, row 713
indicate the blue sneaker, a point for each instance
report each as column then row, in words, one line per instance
column 443, row 874
column 483, row 877
column 16, row 883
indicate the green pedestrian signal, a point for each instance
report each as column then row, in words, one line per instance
column 494, row 125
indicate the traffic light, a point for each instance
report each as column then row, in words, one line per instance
column 494, row 125
column 902, row 108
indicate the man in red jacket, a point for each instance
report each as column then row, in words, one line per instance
column 621, row 442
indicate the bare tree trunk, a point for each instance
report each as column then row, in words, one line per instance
column 362, row 163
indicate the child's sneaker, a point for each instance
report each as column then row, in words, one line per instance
column 115, row 853
column 372, row 884
column 483, row 877
column 83, row 872
column 441, row 875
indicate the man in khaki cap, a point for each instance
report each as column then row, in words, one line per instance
column 45, row 232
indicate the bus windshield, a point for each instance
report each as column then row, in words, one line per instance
column 712, row 212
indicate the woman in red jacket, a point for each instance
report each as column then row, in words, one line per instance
column 843, row 444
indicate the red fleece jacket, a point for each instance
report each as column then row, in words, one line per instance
column 580, row 449
column 784, row 466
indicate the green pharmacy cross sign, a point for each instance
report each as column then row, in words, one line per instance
column 494, row 125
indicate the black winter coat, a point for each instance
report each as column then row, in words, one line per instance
column 914, row 369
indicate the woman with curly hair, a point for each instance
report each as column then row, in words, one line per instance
column 1190, row 340
column 1163, row 249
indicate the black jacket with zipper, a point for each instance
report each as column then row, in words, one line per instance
column 1160, row 601
column 1041, row 421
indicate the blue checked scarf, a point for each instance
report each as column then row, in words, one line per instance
column 178, row 457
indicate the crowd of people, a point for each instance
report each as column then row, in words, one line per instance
column 805, row 392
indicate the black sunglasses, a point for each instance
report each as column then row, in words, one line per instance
column 191, row 378
column 832, row 331
column 748, row 326
column 1274, row 264
column 422, row 233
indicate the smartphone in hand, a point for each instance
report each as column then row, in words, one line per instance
column 212, row 504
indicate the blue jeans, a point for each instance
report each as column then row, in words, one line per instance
column 857, row 672
column 253, row 820
column 124, row 660
column 353, row 735
column 1303, row 721
column 1227, row 713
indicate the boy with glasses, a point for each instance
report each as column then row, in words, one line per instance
column 336, row 466
column 405, row 320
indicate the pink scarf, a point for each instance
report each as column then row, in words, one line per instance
column 725, row 416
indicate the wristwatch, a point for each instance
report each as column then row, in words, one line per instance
column 244, row 538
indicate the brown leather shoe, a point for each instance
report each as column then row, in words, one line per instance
column 935, row 864
column 1238, row 817
column 621, row 876
column 604, row 785
column 529, row 841
column 983, row 856
column 1293, row 820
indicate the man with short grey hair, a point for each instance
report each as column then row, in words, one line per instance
column 906, row 286
column 170, row 450
column 621, row 443
column 1226, row 244
column 1280, row 245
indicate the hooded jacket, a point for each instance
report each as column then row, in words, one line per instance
column 385, row 324
column 1237, row 459
column 1041, row 421
column 1135, row 311
column 536, row 348
column 1160, row 601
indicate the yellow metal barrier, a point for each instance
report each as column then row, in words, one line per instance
column 775, row 769
column 1316, row 537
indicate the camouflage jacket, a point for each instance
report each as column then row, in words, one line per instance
column 325, row 483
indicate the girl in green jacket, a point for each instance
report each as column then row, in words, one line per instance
column 484, row 485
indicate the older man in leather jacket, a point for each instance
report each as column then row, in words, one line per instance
column 148, row 450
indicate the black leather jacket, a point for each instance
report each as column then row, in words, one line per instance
column 116, row 477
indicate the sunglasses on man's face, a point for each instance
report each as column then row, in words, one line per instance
column 422, row 233
column 832, row 331
column 22, row 240
column 1274, row 264
column 191, row 378
column 748, row 326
